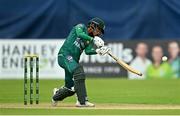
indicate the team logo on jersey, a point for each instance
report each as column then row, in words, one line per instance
column 70, row 58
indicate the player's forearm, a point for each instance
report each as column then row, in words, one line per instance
column 90, row 52
column 84, row 36
column 81, row 34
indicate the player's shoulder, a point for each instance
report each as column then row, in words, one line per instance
column 80, row 25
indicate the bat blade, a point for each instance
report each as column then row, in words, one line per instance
column 124, row 65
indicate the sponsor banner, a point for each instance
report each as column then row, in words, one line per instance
column 12, row 52
column 105, row 66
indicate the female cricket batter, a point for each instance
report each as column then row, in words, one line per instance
column 81, row 38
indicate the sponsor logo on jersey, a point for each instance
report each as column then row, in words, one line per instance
column 79, row 43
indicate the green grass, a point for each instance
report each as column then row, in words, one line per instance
column 88, row 112
column 115, row 91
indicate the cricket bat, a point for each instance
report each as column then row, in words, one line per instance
column 124, row 65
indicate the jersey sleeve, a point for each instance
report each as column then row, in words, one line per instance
column 90, row 50
column 81, row 32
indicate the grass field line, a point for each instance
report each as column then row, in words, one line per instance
column 98, row 106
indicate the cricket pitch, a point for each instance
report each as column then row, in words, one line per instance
column 98, row 106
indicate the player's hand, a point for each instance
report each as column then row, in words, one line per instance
column 103, row 50
column 98, row 41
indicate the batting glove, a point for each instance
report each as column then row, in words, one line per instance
column 98, row 41
column 103, row 50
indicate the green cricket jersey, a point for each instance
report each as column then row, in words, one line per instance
column 163, row 71
column 175, row 64
column 78, row 41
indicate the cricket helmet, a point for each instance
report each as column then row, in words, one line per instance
column 99, row 22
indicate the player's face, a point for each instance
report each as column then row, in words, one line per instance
column 94, row 30
column 157, row 54
column 97, row 32
column 141, row 50
column 173, row 49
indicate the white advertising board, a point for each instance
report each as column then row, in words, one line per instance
column 12, row 53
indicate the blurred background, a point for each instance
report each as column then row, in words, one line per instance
column 141, row 32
